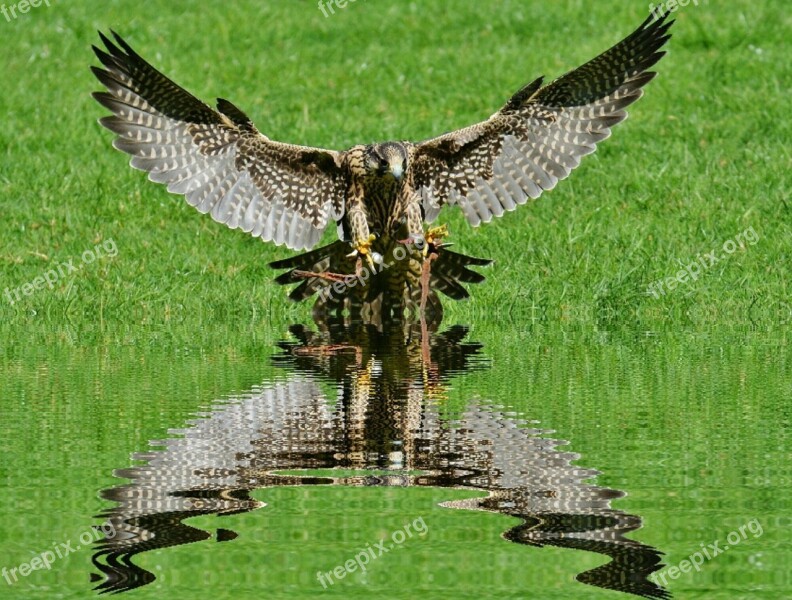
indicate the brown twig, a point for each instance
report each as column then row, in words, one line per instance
column 426, row 275
column 326, row 275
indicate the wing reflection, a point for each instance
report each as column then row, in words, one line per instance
column 390, row 382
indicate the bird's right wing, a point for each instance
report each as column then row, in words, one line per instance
column 216, row 158
column 540, row 135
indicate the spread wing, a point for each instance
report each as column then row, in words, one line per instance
column 216, row 158
column 539, row 136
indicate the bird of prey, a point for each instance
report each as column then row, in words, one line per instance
column 379, row 195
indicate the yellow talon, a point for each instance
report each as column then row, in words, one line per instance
column 436, row 233
column 432, row 235
column 364, row 249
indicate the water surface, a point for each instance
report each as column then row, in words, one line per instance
column 548, row 460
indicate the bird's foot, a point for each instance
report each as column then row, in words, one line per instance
column 437, row 233
column 426, row 242
column 363, row 249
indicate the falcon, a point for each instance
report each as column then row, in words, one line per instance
column 379, row 195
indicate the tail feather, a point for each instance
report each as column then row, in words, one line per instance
column 324, row 259
column 300, row 261
column 449, row 271
column 302, row 291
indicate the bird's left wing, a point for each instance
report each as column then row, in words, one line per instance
column 216, row 158
column 539, row 136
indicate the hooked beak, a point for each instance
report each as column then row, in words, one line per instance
column 397, row 171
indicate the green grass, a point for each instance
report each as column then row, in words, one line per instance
column 704, row 155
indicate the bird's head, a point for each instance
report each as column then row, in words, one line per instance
column 388, row 159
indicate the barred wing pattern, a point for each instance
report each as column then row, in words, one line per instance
column 216, row 158
column 540, row 135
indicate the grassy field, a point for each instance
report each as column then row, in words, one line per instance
column 704, row 156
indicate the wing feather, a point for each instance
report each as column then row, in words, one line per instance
column 216, row 158
column 540, row 135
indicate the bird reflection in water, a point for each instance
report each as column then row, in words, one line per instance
column 386, row 418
